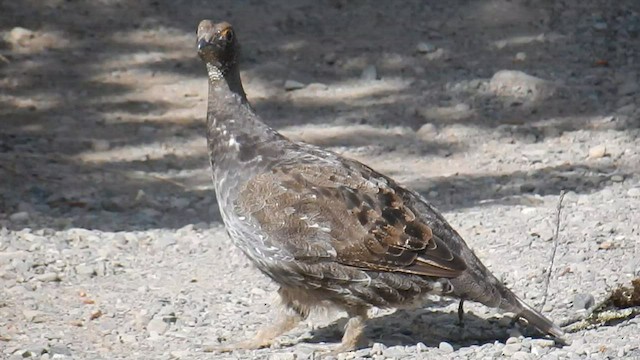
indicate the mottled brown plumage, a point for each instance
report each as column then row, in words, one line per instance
column 329, row 230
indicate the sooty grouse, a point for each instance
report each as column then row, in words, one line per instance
column 329, row 230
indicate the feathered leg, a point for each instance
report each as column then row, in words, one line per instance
column 294, row 312
column 353, row 331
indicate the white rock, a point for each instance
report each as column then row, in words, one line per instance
column 257, row 291
column 19, row 34
column 157, row 326
column 512, row 340
column 521, row 355
column 617, row 178
column 47, row 277
column 427, row 131
column 291, row 85
column 511, row 349
column 517, row 84
column 528, row 210
column 395, row 352
column 424, row 47
column 445, row 347
column 369, row 73
column 543, row 343
column 317, row 87
column 597, row 152
column 634, row 192
column 179, row 354
column 86, row 270
column 600, row 25
column 378, row 348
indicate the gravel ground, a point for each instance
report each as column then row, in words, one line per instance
column 111, row 244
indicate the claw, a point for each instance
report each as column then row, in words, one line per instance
column 461, row 313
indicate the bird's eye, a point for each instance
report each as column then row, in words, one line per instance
column 227, row 35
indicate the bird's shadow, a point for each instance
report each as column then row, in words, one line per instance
column 409, row 327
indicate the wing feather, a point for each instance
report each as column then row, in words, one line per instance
column 333, row 216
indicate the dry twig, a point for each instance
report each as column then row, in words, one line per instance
column 555, row 249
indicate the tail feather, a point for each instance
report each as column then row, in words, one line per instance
column 537, row 320
column 477, row 283
column 481, row 286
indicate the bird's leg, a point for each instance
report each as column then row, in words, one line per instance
column 461, row 313
column 353, row 331
column 289, row 318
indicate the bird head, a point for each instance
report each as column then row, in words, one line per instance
column 217, row 45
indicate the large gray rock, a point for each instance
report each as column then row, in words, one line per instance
column 519, row 85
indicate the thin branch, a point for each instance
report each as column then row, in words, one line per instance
column 553, row 252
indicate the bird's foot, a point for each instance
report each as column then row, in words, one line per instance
column 266, row 336
column 461, row 313
column 353, row 334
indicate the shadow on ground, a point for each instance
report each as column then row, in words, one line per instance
column 92, row 77
column 409, row 327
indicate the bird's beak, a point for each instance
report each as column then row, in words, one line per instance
column 202, row 43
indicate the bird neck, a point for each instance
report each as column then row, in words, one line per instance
column 233, row 128
column 228, row 77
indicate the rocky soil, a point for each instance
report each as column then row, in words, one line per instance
column 111, row 244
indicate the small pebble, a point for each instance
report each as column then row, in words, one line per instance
column 257, row 291
column 330, row 58
column 521, row 56
column 317, row 87
column 543, row 343
column 424, row 47
column 427, row 132
column 157, row 326
column 283, row 356
column 47, row 277
column 291, row 85
column 600, row 25
column 59, row 349
column 19, row 34
column 537, row 351
column 617, row 178
column 521, row 355
column 511, row 349
column 633, row 192
column 19, row 216
column 527, row 188
column 445, row 347
column 583, row 301
column 512, row 340
column 395, row 352
column 369, row 73
column 621, row 353
column 597, row 152
column 34, row 316
column 366, row 352
column 179, row 354
column 100, row 145
column 606, row 245
column 378, row 348
column 86, row 270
